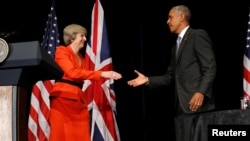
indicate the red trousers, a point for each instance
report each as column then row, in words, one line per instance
column 69, row 120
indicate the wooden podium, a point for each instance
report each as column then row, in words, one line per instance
column 26, row 64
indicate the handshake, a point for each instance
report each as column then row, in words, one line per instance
column 139, row 80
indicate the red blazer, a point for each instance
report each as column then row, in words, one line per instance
column 67, row 60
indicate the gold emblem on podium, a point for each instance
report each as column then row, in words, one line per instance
column 4, row 50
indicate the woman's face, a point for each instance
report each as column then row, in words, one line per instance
column 80, row 39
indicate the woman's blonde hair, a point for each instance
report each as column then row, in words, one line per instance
column 70, row 31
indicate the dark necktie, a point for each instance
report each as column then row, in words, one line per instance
column 178, row 41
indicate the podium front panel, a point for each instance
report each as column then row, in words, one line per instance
column 5, row 113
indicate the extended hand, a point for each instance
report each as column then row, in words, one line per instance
column 140, row 80
column 111, row 74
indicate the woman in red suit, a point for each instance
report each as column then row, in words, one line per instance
column 69, row 116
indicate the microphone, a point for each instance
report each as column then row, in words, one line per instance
column 6, row 35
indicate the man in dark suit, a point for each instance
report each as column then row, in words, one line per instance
column 192, row 68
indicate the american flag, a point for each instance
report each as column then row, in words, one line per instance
column 100, row 95
column 38, row 126
column 246, row 65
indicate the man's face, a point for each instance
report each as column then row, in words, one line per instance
column 174, row 21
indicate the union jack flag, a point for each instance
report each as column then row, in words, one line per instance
column 38, row 125
column 246, row 65
column 100, row 95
